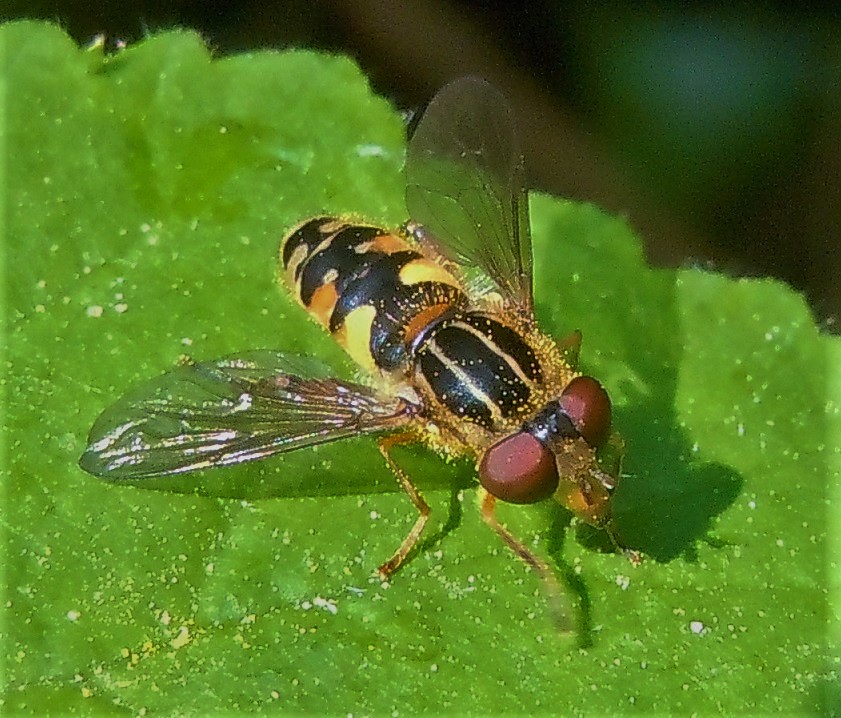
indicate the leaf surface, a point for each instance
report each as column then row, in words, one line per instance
column 147, row 192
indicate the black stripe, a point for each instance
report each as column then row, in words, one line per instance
column 339, row 256
column 308, row 235
column 509, row 342
column 452, row 392
column 395, row 310
column 483, row 363
column 374, row 279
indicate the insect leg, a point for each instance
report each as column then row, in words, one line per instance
column 634, row 556
column 609, row 482
column 385, row 445
column 487, row 503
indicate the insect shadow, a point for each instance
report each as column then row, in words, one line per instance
column 663, row 508
column 667, row 500
column 321, row 473
column 670, row 500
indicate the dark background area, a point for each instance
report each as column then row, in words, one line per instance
column 715, row 130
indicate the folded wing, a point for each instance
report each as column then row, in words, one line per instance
column 230, row 411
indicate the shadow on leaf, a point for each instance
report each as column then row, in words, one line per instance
column 668, row 502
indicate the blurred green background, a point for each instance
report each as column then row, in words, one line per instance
column 715, row 130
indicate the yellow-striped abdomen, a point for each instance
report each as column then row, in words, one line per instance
column 371, row 289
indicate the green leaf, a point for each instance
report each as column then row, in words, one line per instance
column 147, row 193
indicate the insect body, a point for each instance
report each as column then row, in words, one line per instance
column 479, row 371
column 465, row 371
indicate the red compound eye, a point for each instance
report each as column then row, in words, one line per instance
column 587, row 405
column 519, row 469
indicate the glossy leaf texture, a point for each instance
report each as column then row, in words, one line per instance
column 147, row 192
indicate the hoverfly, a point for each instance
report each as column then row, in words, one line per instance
column 465, row 371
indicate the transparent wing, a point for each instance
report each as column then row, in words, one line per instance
column 465, row 185
column 230, row 411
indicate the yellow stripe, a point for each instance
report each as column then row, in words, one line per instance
column 425, row 270
column 355, row 336
column 496, row 349
column 385, row 243
column 299, row 256
column 434, row 349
